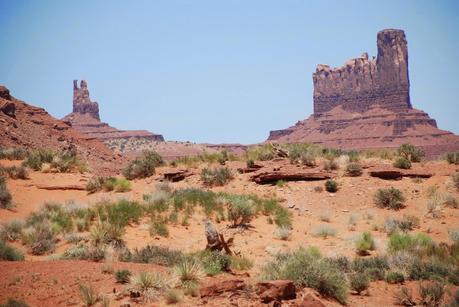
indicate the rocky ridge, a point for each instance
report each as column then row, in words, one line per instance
column 85, row 119
column 366, row 104
column 26, row 126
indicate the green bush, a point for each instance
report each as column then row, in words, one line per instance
column 214, row 262
column 216, row 176
column 283, row 217
column 331, row 164
column 240, row 210
column 394, row 277
column 390, row 198
column 188, row 272
column 9, row 253
column 12, row 153
column 375, row 267
column 88, row 295
column 14, row 172
column 5, row 195
column 402, row 163
column 331, row 186
column 123, row 276
column 143, row 166
column 36, row 158
column 452, row 157
column 156, row 255
column 250, row 163
column 324, row 231
column 365, row 243
column 302, row 155
column 122, row 185
column 159, row 228
column 410, row 152
column 400, row 242
column 307, row 268
column 354, row 169
column 359, row 282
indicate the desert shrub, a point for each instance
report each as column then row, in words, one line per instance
column 12, row 230
column 9, row 253
column 359, row 282
column 94, row 185
column 404, row 297
column 331, row 164
column 390, row 198
column 354, row 169
column 12, row 153
column 156, row 255
column 158, row 228
column 283, row 233
column 375, row 267
column 42, row 240
column 172, row 296
column 216, row 176
column 455, row 179
column 240, row 210
column 13, row 302
column 149, row 284
column 214, row 262
column 240, row 263
column 283, row 217
column 89, row 296
column 302, row 155
column 402, row 163
column 354, row 155
column 400, row 242
column 365, row 243
column 36, row 158
column 188, row 271
column 331, row 186
column 307, row 268
column 454, row 235
column 410, row 152
column 281, row 183
column 324, row 231
column 123, row 276
column 122, row 185
column 394, row 277
column 143, row 166
column 67, row 162
column 14, row 172
column 5, row 195
column 79, row 251
column 120, row 213
column 452, row 157
column 431, row 269
column 431, row 294
column 250, row 163
column 405, row 224
column 449, row 200
column 262, row 153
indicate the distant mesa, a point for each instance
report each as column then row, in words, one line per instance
column 85, row 118
column 366, row 104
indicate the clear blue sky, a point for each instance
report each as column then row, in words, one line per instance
column 216, row 71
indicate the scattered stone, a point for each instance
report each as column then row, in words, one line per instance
column 276, row 290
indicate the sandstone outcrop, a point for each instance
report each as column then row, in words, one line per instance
column 290, row 173
column 366, row 104
column 85, row 118
column 29, row 127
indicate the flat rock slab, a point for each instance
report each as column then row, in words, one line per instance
column 219, row 287
column 176, row 175
column 392, row 173
column 63, row 187
column 290, row 174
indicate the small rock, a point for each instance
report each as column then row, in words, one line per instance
column 276, row 290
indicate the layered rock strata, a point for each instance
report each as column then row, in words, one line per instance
column 366, row 104
column 85, row 119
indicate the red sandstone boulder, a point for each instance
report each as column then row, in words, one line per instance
column 290, row 174
column 309, row 299
column 276, row 290
column 221, row 286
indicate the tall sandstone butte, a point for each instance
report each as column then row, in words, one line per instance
column 85, row 118
column 366, row 104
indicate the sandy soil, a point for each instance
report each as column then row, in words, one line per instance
column 42, row 282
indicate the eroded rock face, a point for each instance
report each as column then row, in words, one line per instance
column 362, row 82
column 365, row 104
column 81, row 102
column 85, row 118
